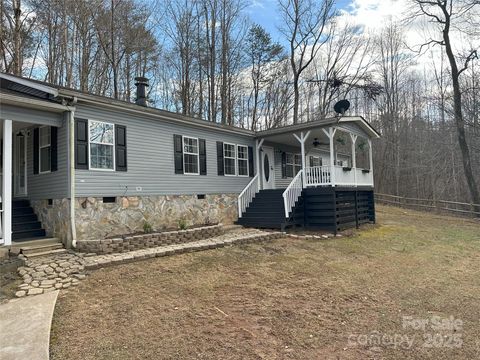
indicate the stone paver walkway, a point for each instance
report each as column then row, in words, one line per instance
column 49, row 273
column 25, row 325
column 234, row 237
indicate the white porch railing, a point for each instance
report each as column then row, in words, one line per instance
column 247, row 195
column 292, row 193
column 322, row 175
column 317, row 175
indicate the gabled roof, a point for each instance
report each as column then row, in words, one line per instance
column 360, row 121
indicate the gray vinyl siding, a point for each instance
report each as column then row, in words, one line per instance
column 150, row 159
column 32, row 116
column 53, row 185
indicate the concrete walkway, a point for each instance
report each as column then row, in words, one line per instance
column 25, row 327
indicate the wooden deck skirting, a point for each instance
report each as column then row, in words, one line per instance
column 452, row 207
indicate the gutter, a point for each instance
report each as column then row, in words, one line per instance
column 71, row 140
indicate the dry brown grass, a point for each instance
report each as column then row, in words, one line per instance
column 288, row 299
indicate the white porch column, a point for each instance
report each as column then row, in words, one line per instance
column 331, row 134
column 303, row 137
column 370, row 157
column 354, row 158
column 258, row 145
column 7, row 183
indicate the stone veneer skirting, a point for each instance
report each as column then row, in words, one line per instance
column 95, row 219
column 143, row 241
column 55, row 218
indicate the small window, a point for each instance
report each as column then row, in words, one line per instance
column 315, row 161
column 109, row 199
column 101, row 140
column 229, row 159
column 242, row 152
column 201, row 196
column 45, row 149
column 190, row 155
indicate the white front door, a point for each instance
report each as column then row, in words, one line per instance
column 20, row 168
column 268, row 168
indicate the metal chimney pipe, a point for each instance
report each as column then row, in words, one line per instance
column 141, row 83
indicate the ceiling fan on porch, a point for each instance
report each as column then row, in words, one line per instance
column 317, row 142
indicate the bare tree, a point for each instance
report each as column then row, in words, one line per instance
column 304, row 23
column 445, row 14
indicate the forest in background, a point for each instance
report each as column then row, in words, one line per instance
column 207, row 59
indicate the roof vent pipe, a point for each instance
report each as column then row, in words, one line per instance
column 141, row 83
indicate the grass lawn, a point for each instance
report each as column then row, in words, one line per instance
column 288, row 299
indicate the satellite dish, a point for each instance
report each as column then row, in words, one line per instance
column 342, row 106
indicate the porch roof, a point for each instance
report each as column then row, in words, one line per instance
column 283, row 135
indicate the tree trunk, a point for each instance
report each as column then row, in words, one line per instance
column 458, row 115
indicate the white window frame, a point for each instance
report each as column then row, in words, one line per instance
column 229, row 157
column 89, row 142
column 40, row 147
column 246, row 159
column 189, row 153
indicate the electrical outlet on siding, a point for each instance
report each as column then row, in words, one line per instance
column 139, row 188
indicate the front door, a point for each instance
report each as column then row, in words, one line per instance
column 268, row 169
column 19, row 167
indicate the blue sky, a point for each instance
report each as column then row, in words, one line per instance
column 265, row 13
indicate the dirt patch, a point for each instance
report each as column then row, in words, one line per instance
column 287, row 299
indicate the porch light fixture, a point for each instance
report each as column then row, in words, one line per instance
column 316, row 142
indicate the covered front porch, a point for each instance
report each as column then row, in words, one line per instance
column 332, row 153
column 32, row 161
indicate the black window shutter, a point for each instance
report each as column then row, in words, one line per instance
column 203, row 156
column 178, row 153
column 284, row 165
column 81, row 144
column 54, row 148
column 220, row 168
column 36, row 149
column 250, row 161
column 120, row 148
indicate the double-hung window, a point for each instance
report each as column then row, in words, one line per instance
column 45, row 149
column 293, row 164
column 242, row 152
column 229, row 155
column 101, row 142
column 298, row 163
column 290, row 163
column 190, row 155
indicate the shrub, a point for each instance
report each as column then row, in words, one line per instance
column 182, row 224
column 147, row 228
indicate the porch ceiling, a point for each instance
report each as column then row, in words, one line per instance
column 289, row 139
column 16, row 126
